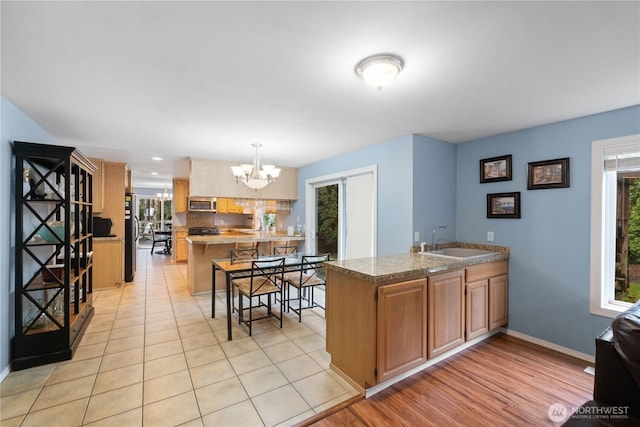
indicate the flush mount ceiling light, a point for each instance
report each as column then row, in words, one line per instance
column 379, row 70
column 254, row 176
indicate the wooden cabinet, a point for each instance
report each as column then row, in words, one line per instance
column 98, row 182
column 477, row 308
column 114, row 179
column 401, row 304
column 180, row 245
column 53, row 252
column 108, row 263
column 222, row 205
column 180, row 195
column 227, row 205
column 498, row 301
column 489, row 306
column 446, row 311
column 377, row 332
column 270, row 206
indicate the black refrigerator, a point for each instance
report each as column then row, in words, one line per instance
column 130, row 236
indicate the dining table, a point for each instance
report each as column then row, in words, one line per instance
column 239, row 269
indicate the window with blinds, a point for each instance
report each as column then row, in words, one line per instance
column 615, row 224
column 624, row 157
column 622, row 175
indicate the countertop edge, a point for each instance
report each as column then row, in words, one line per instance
column 418, row 266
column 226, row 239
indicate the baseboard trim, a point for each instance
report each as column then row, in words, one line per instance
column 345, row 377
column 381, row 386
column 550, row 345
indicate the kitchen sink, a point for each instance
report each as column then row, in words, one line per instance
column 459, row 253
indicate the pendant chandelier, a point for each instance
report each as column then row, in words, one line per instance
column 253, row 175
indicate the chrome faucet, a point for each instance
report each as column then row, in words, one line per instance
column 434, row 246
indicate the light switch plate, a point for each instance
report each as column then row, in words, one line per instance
column 490, row 236
column 416, row 236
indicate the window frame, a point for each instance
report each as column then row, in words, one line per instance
column 603, row 239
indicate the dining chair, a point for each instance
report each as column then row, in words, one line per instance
column 164, row 240
column 267, row 278
column 246, row 245
column 312, row 273
column 285, row 250
column 239, row 255
column 243, row 255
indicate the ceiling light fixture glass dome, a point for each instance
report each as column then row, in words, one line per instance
column 379, row 70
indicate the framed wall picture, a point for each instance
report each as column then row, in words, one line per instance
column 503, row 205
column 548, row 174
column 495, row 169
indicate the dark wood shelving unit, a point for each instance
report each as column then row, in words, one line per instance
column 53, row 252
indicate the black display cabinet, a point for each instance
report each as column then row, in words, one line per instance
column 53, row 252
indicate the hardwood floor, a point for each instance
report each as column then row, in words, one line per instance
column 502, row 381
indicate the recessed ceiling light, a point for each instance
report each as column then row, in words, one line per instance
column 379, row 70
column 154, row 173
column 156, row 158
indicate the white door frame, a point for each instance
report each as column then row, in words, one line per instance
column 310, row 207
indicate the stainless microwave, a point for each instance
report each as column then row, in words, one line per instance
column 202, row 204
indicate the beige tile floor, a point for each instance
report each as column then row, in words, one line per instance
column 153, row 356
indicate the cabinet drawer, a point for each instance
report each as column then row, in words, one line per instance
column 484, row 271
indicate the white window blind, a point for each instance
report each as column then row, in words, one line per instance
column 622, row 157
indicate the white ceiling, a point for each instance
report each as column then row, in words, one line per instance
column 129, row 80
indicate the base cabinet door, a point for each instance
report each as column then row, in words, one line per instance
column 401, row 327
column 108, row 263
column 181, row 247
column 446, row 312
column 498, row 301
column 477, row 308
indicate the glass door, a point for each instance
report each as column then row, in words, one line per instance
column 327, row 220
column 341, row 214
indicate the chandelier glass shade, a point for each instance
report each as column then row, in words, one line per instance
column 253, row 175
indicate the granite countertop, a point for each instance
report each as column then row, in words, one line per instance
column 243, row 236
column 394, row 268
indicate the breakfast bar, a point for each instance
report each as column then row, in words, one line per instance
column 203, row 249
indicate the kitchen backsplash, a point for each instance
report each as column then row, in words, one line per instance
column 207, row 219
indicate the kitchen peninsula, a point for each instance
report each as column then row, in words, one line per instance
column 204, row 248
column 391, row 316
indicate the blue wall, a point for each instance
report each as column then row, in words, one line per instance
column 14, row 126
column 550, row 260
column 416, row 187
column 434, row 183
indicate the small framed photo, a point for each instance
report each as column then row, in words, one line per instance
column 503, row 205
column 548, row 174
column 495, row 169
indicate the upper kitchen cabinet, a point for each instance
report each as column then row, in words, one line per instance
column 180, row 194
column 114, row 185
column 214, row 178
column 98, row 193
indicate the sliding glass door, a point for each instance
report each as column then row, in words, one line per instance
column 327, row 220
column 341, row 213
